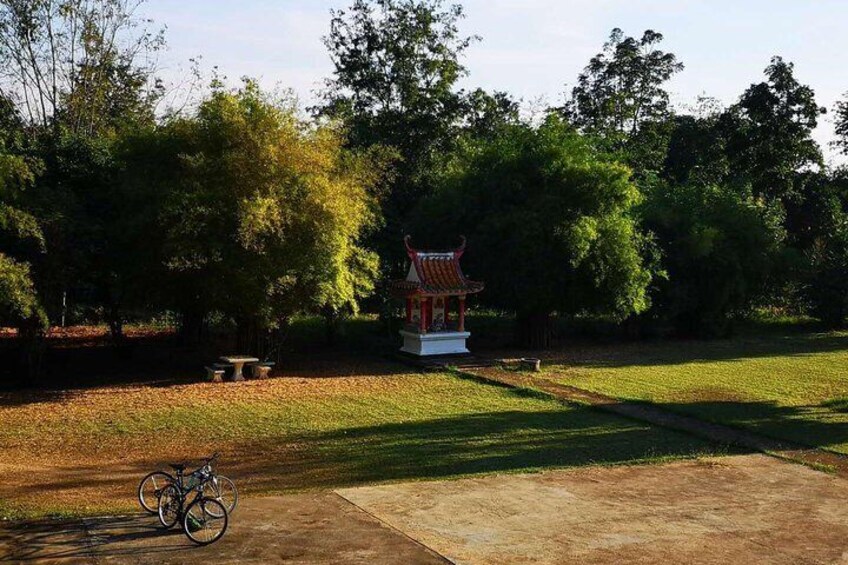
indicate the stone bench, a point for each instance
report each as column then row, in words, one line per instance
column 261, row 370
column 214, row 374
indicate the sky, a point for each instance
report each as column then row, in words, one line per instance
column 533, row 49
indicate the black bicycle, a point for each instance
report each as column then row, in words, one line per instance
column 220, row 488
column 204, row 520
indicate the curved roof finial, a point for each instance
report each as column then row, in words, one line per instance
column 406, row 239
column 461, row 249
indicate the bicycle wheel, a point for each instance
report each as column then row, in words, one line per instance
column 205, row 521
column 169, row 507
column 223, row 490
column 150, row 488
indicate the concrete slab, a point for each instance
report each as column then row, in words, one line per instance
column 743, row 509
column 301, row 528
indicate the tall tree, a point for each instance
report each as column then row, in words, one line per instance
column 841, row 121
column 88, row 60
column 769, row 133
column 620, row 96
column 21, row 240
column 396, row 65
column 264, row 214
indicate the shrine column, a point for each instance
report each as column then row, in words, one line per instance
column 409, row 310
column 422, row 316
column 461, row 325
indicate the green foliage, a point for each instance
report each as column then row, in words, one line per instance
column 20, row 234
column 620, row 97
column 18, row 299
column 769, row 133
column 827, row 278
column 719, row 249
column 264, row 213
column 486, row 114
column 696, row 148
column 841, row 122
column 548, row 220
column 397, row 63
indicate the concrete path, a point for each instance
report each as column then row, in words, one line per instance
column 300, row 528
column 741, row 509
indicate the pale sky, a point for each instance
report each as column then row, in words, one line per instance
column 532, row 49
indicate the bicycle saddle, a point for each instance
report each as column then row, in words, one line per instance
column 179, row 467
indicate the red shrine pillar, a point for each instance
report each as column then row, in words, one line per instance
column 408, row 309
column 422, row 316
column 461, row 325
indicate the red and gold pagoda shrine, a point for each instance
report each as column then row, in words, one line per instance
column 435, row 289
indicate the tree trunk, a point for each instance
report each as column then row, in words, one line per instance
column 191, row 327
column 32, row 345
column 116, row 325
column 535, row 331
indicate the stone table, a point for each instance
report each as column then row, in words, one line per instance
column 238, row 362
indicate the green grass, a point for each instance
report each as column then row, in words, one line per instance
column 782, row 383
column 374, row 425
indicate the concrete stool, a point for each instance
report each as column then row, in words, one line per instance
column 261, row 371
column 214, row 374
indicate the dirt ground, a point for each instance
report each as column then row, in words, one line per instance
column 736, row 509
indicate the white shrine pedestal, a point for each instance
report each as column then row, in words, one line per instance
column 434, row 343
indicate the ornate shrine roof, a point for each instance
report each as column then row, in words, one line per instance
column 435, row 273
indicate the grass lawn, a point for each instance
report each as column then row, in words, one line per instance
column 333, row 423
column 785, row 384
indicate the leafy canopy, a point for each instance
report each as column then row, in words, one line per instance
column 769, row 133
column 268, row 209
column 719, row 249
column 621, row 89
column 548, row 221
column 396, row 65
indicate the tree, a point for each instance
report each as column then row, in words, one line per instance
column 769, row 133
column 841, row 121
column 719, row 249
column 620, row 97
column 86, row 62
column 822, row 234
column 20, row 240
column 696, row 147
column 487, row 114
column 396, row 65
column 264, row 215
column 549, row 225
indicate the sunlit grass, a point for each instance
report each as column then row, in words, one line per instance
column 785, row 384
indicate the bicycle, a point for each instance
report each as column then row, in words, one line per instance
column 221, row 488
column 203, row 520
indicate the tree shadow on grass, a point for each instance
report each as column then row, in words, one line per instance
column 823, row 426
column 463, row 445
column 678, row 351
